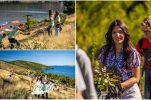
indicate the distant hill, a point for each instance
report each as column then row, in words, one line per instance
column 29, row 65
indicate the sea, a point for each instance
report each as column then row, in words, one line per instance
column 62, row 70
column 10, row 11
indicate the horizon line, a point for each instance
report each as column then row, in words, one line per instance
column 38, row 63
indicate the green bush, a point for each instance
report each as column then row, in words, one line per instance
column 94, row 18
column 31, row 22
column 70, row 7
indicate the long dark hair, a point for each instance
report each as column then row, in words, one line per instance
column 110, row 42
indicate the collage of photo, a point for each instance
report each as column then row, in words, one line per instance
column 74, row 49
column 37, row 56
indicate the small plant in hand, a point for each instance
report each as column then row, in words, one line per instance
column 107, row 80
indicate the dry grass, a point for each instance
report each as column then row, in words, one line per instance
column 65, row 40
column 64, row 93
column 13, row 68
column 16, row 88
column 20, row 88
column 39, row 39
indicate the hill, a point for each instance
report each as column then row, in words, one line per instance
column 21, row 86
column 29, row 65
column 39, row 39
column 12, row 68
column 17, row 84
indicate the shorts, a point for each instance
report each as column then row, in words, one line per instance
column 57, row 25
column 12, row 40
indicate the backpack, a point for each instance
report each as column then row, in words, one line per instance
column 140, row 44
column 145, row 52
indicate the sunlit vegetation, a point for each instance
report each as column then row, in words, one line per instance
column 93, row 20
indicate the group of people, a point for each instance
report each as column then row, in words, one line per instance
column 126, row 58
column 11, row 31
column 43, row 87
column 54, row 22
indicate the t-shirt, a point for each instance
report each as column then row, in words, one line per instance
column 12, row 33
column 146, row 49
column 57, row 19
column 86, row 70
column 51, row 21
column 80, row 84
column 112, row 60
column 1, row 37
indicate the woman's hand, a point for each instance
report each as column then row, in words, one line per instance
column 114, row 91
column 135, row 78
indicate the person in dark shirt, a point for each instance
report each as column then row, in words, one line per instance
column 144, row 48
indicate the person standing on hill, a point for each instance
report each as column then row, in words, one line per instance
column 57, row 21
column 2, row 36
column 144, row 48
column 37, row 87
column 12, row 35
column 51, row 23
column 44, row 87
column 120, row 54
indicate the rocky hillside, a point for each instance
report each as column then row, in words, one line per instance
column 16, row 84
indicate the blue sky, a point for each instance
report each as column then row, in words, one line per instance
column 46, row 57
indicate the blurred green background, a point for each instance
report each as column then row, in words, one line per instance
column 94, row 17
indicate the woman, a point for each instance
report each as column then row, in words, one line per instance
column 37, row 87
column 119, row 53
column 44, row 87
column 51, row 22
column 57, row 20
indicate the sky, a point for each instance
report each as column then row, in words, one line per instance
column 46, row 57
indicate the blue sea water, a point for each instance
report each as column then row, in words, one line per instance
column 18, row 11
column 62, row 70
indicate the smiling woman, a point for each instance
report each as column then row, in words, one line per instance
column 120, row 54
